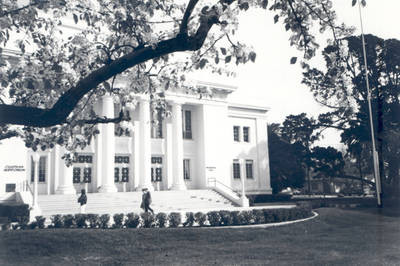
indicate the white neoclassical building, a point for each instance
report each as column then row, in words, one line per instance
column 206, row 142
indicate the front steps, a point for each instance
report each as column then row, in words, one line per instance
column 125, row 202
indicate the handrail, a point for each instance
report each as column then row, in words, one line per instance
column 28, row 187
column 215, row 181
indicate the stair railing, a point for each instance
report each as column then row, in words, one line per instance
column 216, row 183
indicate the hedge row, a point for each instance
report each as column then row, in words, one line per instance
column 174, row 219
column 15, row 213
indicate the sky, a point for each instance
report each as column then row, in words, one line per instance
column 272, row 81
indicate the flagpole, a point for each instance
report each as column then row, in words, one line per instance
column 374, row 152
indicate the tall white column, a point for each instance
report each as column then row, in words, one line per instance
column 177, row 148
column 108, row 146
column 35, row 158
column 65, row 184
column 144, row 145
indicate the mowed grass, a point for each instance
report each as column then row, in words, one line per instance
column 336, row 237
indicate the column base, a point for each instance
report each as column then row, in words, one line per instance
column 65, row 190
column 108, row 189
column 244, row 202
column 178, row 186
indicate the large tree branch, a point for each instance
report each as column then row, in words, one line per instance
column 38, row 117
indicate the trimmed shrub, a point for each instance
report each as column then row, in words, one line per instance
column 12, row 212
column 33, row 225
column 189, row 219
column 69, row 220
column 248, row 217
column 174, row 219
column 80, row 220
column 226, row 218
column 23, row 221
column 237, row 218
column 118, row 220
column 148, row 219
column 6, row 226
column 40, row 220
column 258, row 216
column 161, row 219
column 214, row 218
column 132, row 220
column 93, row 220
column 57, row 221
column 200, row 218
column 104, row 220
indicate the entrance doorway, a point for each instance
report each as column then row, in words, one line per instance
column 156, row 172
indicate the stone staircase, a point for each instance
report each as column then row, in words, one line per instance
column 125, row 202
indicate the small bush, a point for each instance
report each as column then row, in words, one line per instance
column 23, row 221
column 12, row 212
column 132, row 220
column 214, row 218
column 80, row 220
column 200, row 218
column 148, row 219
column 33, row 225
column 40, row 220
column 6, row 226
column 226, row 218
column 237, row 218
column 118, row 220
column 174, row 219
column 69, row 221
column 189, row 219
column 57, row 221
column 93, row 220
column 161, row 219
column 104, row 220
column 258, row 216
column 248, row 217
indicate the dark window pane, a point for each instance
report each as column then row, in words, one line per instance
column 87, row 175
column 116, row 174
column 76, row 175
column 236, row 170
column 246, row 134
column 10, row 187
column 158, row 174
column 125, row 174
column 236, row 133
column 249, row 169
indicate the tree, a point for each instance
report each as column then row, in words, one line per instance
column 49, row 90
column 299, row 130
column 285, row 162
column 342, row 88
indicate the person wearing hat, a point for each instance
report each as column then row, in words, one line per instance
column 146, row 200
column 83, row 200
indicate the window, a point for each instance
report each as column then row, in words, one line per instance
column 121, row 170
column 156, row 169
column 187, row 124
column 156, row 125
column 236, row 133
column 10, row 187
column 236, row 169
column 249, row 168
column 186, row 169
column 42, row 169
column 246, row 137
column 82, row 170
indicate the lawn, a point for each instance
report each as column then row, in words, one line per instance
column 336, row 237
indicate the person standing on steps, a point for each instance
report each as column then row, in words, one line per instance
column 146, row 200
column 83, row 200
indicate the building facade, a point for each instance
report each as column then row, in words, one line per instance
column 205, row 141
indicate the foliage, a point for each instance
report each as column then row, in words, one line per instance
column 132, row 220
column 118, row 220
column 190, row 219
column 57, row 221
column 174, row 219
column 200, row 218
column 104, row 220
column 148, row 219
column 68, row 220
column 214, row 218
column 342, row 88
column 237, row 218
column 57, row 76
column 94, row 220
column 226, row 218
column 81, row 219
column 161, row 219
column 40, row 220
column 12, row 212
column 258, row 216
